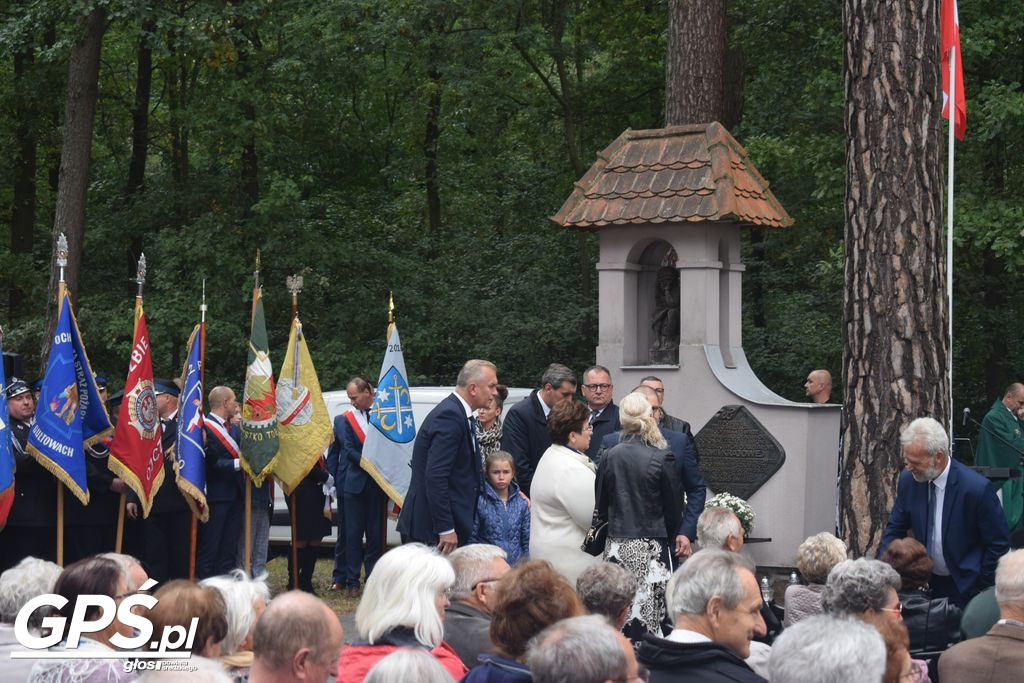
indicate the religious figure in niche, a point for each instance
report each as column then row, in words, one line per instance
column 666, row 313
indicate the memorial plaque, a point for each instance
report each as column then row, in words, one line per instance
column 737, row 453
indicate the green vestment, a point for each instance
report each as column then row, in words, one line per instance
column 993, row 452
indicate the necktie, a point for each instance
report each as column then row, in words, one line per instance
column 930, row 522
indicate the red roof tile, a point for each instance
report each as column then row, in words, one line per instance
column 675, row 174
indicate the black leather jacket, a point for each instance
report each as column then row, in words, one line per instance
column 638, row 491
column 933, row 624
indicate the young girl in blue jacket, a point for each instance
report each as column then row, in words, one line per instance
column 502, row 515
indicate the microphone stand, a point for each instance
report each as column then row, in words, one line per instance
column 1019, row 452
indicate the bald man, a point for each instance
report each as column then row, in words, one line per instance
column 225, row 492
column 818, row 386
column 297, row 638
column 1000, row 444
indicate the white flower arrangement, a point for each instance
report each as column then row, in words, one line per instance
column 737, row 505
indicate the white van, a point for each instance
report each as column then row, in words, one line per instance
column 423, row 401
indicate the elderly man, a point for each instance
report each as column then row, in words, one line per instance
column 951, row 509
column 719, row 527
column 999, row 654
column 446, row 465
column 467, row 620
column 818, row 386
column 824, row 648
column 685, row 451
column 1001, row 444
column 581, row 650
column 715, row 604
column 525, row 431
column 297, row 638
column 604, row 414
column 608, row 589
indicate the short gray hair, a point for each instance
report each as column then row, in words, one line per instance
column 855, row 586
column 472, row 371
column 408, row 664
column 472, row 564
column 818, row 554
column 708, row 572
column 827, row 649
column 125, row 562
column 928, row 433
column 715, row 525
column 1010, row 579
column 556, row 375
column 577, row 650
column 606, row 588
column 240, row 594
column 28, row 579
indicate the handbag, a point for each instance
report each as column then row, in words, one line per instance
column 597, row 536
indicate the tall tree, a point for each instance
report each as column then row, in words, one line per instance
column 23, row 214
column 76, row 153
column 693, row 61
column 895, row 348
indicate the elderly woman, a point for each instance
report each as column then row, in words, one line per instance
column 29, row 579
column 814, row 560
column 862, row 586
column 179, row 602
column 488, row 423
column 91, row 576
column 402, row 606
column 563, row 492
column 528, row 599
column 244, row 601
column 899, row 666
column 933, row 623
column 638, row 494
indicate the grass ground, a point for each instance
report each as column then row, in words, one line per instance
column 277, row 579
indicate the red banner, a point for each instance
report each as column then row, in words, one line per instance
column 136, row 454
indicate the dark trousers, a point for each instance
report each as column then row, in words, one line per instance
column 87, row 540
column 338, row 575
column 945, row 587
column 363, row 512
column 19, row 542
column 218, row 541
column 166, row 540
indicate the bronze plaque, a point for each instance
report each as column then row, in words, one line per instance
column 737, row 453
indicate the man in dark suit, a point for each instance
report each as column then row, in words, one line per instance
column 683, row 449
column 446, row 468
column 951, row 509
column 604, row 414
column 525, row 431
column 667, row 421
column 225, row 490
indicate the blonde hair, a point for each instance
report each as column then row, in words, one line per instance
column 637, row 417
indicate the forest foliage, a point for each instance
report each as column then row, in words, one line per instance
column 420, row 146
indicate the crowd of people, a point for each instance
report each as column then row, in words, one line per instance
column 570, row 541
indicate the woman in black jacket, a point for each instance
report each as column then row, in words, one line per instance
column 637, row 492
column 933, row 623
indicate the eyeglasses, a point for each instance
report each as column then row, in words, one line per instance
column 898, row 608
column 913, row 674
column 483, row 581
column 597, row 387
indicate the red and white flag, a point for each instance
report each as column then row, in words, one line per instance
column 136, row 454
column 950, row 21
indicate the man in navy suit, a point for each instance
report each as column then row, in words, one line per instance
column 446, row 467
column 224, row 487
column 604, row 414
column 685, row 453
column 951, row 509
column 525, row 431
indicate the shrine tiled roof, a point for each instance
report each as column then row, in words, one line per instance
column 672, row 175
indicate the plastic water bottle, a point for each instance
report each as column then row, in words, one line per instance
column 767, row 592
column 793, row 579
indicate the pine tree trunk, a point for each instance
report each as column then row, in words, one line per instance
column 23, row 213
column 693, row 61
column 895, row 345
column 79, row 111
column 140, row 110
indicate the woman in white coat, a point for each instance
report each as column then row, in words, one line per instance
column 562, row 492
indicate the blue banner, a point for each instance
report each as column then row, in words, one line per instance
column 70, row 414
column 392, row 430
column 6, row 456
column 191, row 462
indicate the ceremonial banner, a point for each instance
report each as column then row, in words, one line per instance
column 136, row 454
column 69, row 415
column 6, row 456
column 259, row 411
column 949, row 18
column 190, row 468
column 303, row 423
column 389, row 440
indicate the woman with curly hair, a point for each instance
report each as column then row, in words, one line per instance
column 814, row 560
column 638, row 494
column 933, row 623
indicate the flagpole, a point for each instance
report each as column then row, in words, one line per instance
column 294, row 284
column 62, row 262
column 384, row 511
column 949, row 226
column 247, row 517
column 194, row 527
